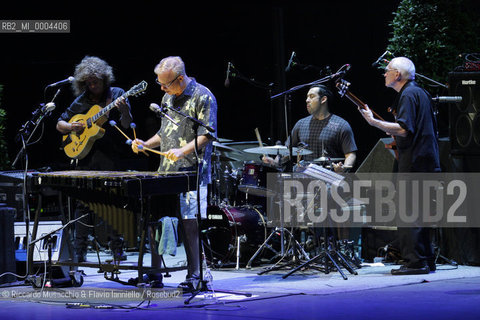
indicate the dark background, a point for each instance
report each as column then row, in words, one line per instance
column 256, row 38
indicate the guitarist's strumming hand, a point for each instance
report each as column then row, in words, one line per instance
column 77, row 127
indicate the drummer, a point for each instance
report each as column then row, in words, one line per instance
column 327, row 135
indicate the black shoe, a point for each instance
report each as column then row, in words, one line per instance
column 190, row 284
column 432, row 266
column 406, row 271
column 154, row 280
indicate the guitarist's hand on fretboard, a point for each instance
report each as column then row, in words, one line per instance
column 121, row 103
column 367, row 113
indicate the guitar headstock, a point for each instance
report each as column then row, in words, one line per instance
column 137, row 89
column 342, row 86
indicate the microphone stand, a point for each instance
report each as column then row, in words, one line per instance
column 269, row 87
column 202, row 284
column 38, row 116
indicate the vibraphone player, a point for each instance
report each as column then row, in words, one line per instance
column 178, row 141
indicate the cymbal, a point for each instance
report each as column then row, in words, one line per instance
column 327, row 159
column 224, row 140
column 281, row 150
column 222, row 147
column 224, row 157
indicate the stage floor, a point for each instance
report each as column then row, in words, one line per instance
column 310, row 294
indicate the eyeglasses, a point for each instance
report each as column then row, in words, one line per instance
column 388, row 70
column 166, row 85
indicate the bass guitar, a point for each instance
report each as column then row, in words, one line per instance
column 342, row 86
column 78, row 145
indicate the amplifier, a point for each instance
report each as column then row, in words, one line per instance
column 40, row 249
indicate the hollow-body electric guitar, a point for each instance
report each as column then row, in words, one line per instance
column 78, row 145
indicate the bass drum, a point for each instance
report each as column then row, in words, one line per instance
column 222, row 228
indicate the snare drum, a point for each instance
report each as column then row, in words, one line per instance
column 254, row 179
column 224, row 225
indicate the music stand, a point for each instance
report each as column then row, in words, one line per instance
column 329, row 253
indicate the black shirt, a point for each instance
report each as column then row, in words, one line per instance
column 107, row 152
column 418, row 151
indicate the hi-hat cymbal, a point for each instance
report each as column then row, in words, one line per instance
column 327, row 159
column 281, row 150
column 222, row 147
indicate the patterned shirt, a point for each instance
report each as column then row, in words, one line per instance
column 331, row 137
column 198, row 102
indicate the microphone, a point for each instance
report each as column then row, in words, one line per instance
column 447, row 99
column 227, row 79
column 341, row 72
column 291, row 63
column 380, row 59
column 62, row 82
column 44, row 109
column 159, row 111
column 164, row 106
column 49, row 107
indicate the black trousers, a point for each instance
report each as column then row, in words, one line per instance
column 416, row 246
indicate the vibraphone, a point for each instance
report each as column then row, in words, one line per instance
column 109, row 193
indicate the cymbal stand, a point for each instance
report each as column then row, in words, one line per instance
column 328, row 255
column 215, row 196
column 295, row 251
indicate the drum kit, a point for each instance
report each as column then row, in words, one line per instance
column 236, row 226
column 236, row 221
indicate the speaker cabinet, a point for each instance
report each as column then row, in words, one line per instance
column 380, row 159
column 464, row 117
column 7, row 250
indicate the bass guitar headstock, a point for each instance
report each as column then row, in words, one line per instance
column 342, row 86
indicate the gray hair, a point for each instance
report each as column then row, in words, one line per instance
column 175, row 64
column 405, row 66
column 91, row 67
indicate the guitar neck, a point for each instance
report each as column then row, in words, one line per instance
column 109, row 107
column 359, row 103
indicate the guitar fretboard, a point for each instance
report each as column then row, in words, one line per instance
column 102, row 112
